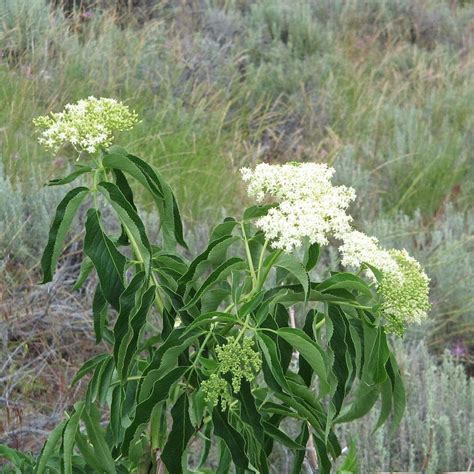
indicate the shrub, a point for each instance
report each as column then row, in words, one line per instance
column 436, row 433
column 207, row 345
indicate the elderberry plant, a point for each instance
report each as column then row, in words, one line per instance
column 205, row 348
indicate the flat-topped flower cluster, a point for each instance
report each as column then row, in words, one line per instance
column 309, row 206
column 87, row 125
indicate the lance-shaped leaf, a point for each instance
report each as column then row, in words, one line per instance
column 200, row 262
column 312, row 257
column 130, row 220
column 89, row 366
column 310, row 350
column 86, row 268
column 102, row 454
column 69, row 436
column 161, row 390
column 231, row 437
column 80, row 170
column 149, row 177
column 99, row 313
column 281, row 437
column 65, row 212
column 108, row 261
column 398, row 391
column 300, row 455
column 341, row 367
column 219, row 274
column 224, row 228
column 127, row 303
column 364, row 399
column 295, row 268
column 180, row 434
column 129, row 343
column 257, row 211
column 305, row 370
column 376, row 354
column 346, row 281
column 386, row 405
column 49, row 448
column 248, row 410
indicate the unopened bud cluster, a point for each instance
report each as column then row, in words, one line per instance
column 240, row 361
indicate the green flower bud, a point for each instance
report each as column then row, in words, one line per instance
column 405, row 299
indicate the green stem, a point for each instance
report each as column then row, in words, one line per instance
column 201, row 349
column 249, row 256
column 264, row 275
column 260, row 260
column 320, row 324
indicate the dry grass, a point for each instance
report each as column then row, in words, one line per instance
column 46, row 335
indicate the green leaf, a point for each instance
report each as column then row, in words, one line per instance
column 272, row 369
column 210, row 318
column 86, row 268
column 280, row 436
column 131, row 221
column 232, row 438
column 91, row 418
column 386, row 406
column 310, row 350
column 161, row 390
column 295, row 268
column 88, row 367
column 350, row 464
column 180, row 434
column 88, row 453
column 49, row 447
column 399, row 395
column 129, row 343
column 305, row 370
column 108, row 261
column 299, row 456
column 312, row 257
column 65, row 212
column 376, row 354
column 224, row 228
column 257, row 211
column 69, row 435
column 364, row 399
column 347, row 281
column 99, row 313
column 193, row 270
column 80, row 170
column 127, row 303
column 248, row 409
column 219, row 274
column 340, row 349
column 302, row 409
column 149, row 177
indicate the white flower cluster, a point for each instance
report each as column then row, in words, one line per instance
column 87, row 125
column 309, row 205
column 358, row 248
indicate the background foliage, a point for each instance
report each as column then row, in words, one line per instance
column 381, row 90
